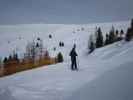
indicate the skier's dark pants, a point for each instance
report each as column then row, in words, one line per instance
column 74, row 65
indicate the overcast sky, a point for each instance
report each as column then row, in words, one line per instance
column 64, row 11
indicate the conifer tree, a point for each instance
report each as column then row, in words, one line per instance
column 1, row 62
column 91, row 43
column 15, row 57
column 132, row 27
column 121, row 33
column 132, row 24
column 60, row 57
column 117, row 37
column 5, row 60
column 128, row 35
column 112, row 36
column 10, row 57
column 117, row 33
column 99, row 38
column 107, row 39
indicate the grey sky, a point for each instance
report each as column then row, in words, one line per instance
column 64, row 11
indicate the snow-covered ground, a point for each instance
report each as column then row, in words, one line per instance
column 16, row 37
column 106, row 74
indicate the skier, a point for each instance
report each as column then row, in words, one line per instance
column 73, row 55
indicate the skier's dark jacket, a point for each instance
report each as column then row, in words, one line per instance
column 73, row 55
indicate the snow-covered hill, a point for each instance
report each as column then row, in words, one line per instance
column 16, row 37
column 106, row 74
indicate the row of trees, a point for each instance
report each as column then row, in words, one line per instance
column 97, row 40
column 36, row 55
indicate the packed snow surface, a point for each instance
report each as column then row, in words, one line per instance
column 106, row 74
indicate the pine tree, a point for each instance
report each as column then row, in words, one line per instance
column 15, row 57
column 107, row 39
column 1, row 62
column 117, row 38
column 132, row 27
column 99, row 39
column 39, row 47
column 90, row 40
column 91, row 43
column 132, row 24
column 62, row 44
column 5, row 60
column 10, row 57
column 117, row 33
column 31, row 50
column 128, row 35
column 112, row 36
column 60, row 57
column 46, row 55
column 95, row 34
column 121, row 34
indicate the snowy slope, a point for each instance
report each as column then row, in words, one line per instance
column 110, row 77
column 16, row 37
column 115, row 84
column 107, row 72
